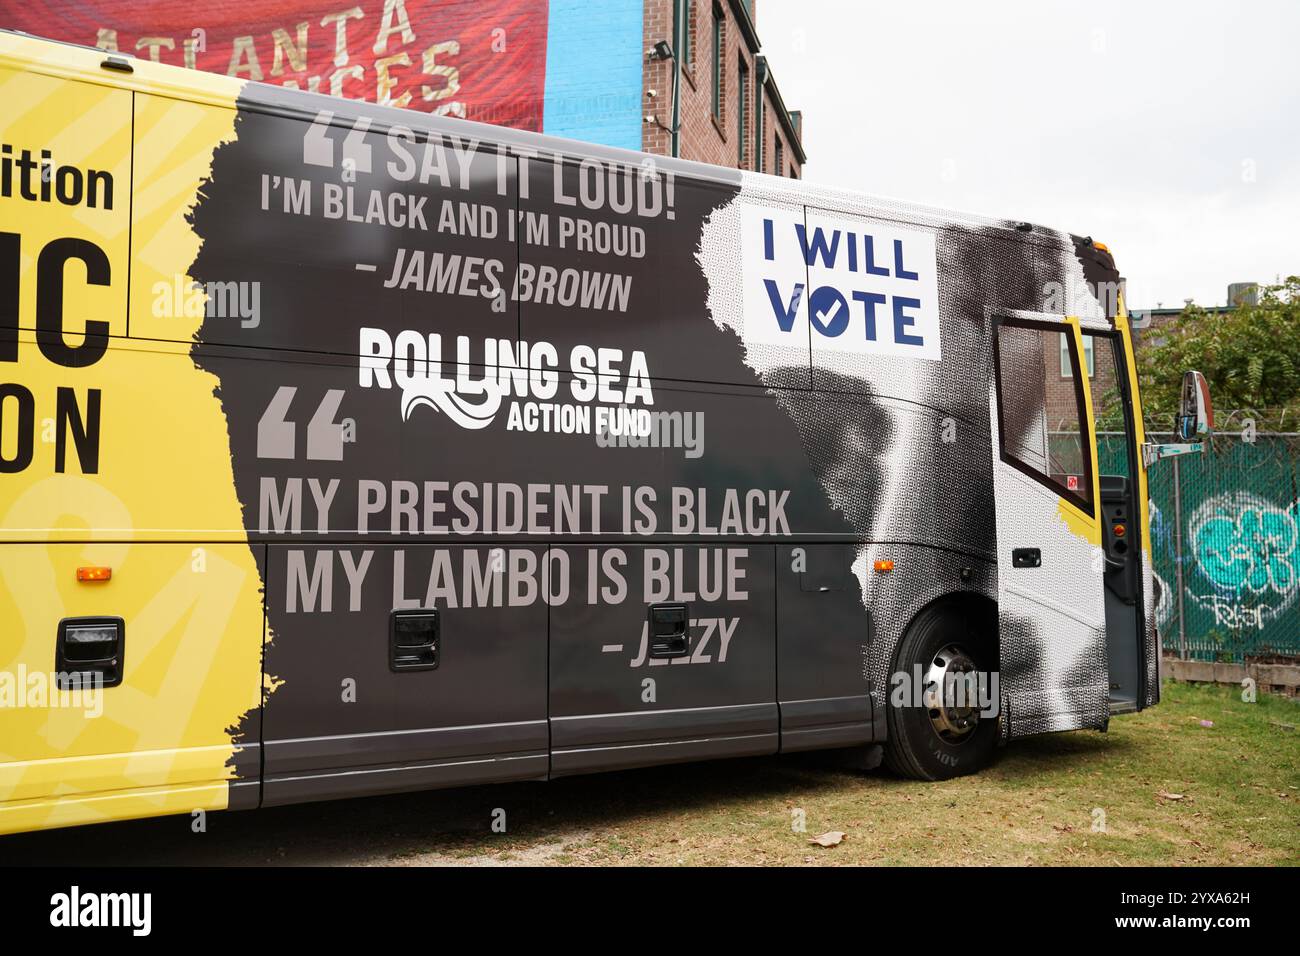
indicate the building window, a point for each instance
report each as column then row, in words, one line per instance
column 761, row 133
column 1066, row 365
column 779, row 156
column 742, row 114
column 717, row 64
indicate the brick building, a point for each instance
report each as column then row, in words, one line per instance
column 582, row 69
column 1061, row 403
column 730, row 112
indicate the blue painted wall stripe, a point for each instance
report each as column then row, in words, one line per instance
column 593, row 72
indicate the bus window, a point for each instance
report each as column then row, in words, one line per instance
column 1040, row 409
column 1108, row 408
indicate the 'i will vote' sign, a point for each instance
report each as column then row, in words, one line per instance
column 846, row 285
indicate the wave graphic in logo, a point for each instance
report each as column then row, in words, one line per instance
column 441, row 395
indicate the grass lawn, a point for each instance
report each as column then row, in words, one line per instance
column 1238, row 782
column 1237, row 786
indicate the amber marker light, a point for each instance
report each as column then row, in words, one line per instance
column 884, row 565
column 94, row 574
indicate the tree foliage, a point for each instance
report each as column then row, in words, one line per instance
column 1250, row 355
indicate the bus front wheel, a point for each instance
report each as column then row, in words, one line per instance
column 944, row 727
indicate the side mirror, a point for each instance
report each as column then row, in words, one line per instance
column 1194, row 422
column 1195, row 411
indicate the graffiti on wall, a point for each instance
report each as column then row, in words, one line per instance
column 1244, row 552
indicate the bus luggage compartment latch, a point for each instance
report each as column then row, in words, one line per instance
column 1026, row 558
column 413, row 640
column 670, row 629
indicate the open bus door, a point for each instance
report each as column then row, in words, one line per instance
column 1123, row 524
column 1051, row 568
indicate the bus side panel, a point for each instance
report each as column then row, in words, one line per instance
column 75, row 141
column 161, row 740
column 615, row 704
column 823, row 648
column 290, row 215
column 354, row 716
column 119, row 451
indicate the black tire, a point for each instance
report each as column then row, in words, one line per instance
column 915, row 748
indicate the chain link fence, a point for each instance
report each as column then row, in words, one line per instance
column 1224, row 534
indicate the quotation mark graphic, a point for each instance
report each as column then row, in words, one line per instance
column 277, row 437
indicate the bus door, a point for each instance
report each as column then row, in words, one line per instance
column 1053, row 663
column 1122, row 520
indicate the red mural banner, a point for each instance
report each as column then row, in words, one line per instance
column 479, row 59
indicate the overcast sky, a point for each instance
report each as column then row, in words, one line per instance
column 1169, row 131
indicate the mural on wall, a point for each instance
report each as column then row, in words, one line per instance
column 539, row 65
column 1244, row 548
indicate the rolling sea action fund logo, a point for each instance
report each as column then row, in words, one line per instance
column 594, row 391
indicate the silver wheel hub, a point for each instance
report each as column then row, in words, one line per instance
column 951, row 694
